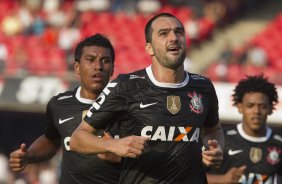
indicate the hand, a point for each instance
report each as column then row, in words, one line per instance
column 111, row 157
column 234, row 174
column 19, row 159
column 131, row 146
column 214, row 155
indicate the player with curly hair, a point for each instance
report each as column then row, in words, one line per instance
column 253, row 151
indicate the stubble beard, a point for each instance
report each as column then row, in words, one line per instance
column 171, row 63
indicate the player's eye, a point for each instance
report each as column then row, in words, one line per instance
column 106, row 60
column 163, row 33
column 179, row 32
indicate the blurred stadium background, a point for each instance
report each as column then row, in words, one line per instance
column 226, row 39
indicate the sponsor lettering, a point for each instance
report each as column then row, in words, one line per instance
column 172, row 134
column 101, row 99
column 256, row 178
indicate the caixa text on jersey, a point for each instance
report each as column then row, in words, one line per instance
column 171, row 133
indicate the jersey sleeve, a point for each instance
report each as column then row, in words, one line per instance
column 212, row 118
column 51, row 132
column 109, row 106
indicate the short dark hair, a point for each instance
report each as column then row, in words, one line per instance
column 148, row 27
column 94, row 40
column 256, row 83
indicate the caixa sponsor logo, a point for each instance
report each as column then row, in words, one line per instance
column 172, row 133
column 256, row 178
column 101, row 99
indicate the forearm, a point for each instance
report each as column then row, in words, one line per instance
column 84, row 141
column 213, row 133
column 215, row 178
column 42, row 149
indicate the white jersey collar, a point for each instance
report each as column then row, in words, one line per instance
column 164, row 84
column 81, row 99
column 251, row 138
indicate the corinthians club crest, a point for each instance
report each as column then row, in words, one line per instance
column 173, row 104
column 196, row 104
column 273, row 155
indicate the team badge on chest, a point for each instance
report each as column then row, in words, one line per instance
column 255, row 154
column 196, row 104
column 273, row 155
column 173, row 104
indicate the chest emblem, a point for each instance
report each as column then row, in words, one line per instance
column 196, row 104
column 173, row 104
column 273, row 155
column 255, row 154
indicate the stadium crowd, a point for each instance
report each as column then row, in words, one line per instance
column 56, row 26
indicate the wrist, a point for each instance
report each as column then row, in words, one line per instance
column 110, row 145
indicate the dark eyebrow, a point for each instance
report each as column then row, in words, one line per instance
column 167, row 29
column 91, row 55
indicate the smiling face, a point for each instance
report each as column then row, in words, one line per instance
column 168, row 45
column 95, row 69
column 255, row 108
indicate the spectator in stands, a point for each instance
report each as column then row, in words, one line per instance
column 3, row 57
column 94, row 64
column 26, row 18
column 38, row 24
column 192, row 28
column 253, row 150
column 11, row 24
column 256, row 56
column 148, row 6
column 68, row 36
column 215, row 10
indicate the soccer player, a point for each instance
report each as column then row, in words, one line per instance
column 253, row 151
column 163, row 103
column 94, row 64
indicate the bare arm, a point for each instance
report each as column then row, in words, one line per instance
column 231, row 176
column 213, row 140
column 40, row 150
column 84, row 141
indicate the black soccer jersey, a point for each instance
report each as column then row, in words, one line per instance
column 64, row 113
column 262, row 156
column 172, row 115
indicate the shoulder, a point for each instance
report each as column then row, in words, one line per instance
column 199, row 79
column 131, row 79
column 277, row 138
column 230, row 131
column 139, row 74
column 62, row 97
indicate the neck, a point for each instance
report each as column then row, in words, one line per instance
column 84, row 93
column 261, row 132
column 167, row 75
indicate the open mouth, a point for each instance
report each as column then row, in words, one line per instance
column 256, row 118
column 174, row 50
column 98, row 77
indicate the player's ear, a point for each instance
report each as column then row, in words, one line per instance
column 149, row 49
column 240, row 108
column 269, row 111
column 113, row 70
column 76, row 67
